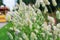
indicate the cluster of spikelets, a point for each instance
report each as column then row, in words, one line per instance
column 29, row 24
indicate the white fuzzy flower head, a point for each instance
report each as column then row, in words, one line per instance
column 20, row 39
column 51, row 20
column 49, row 27
column 19, row 23
column 25, row 36
column 30, row 26
column 55, row 32
column 46, row 27
column 49, row 33
column 57, row 11
column 17, row 31
column 38, row 27
column 45, row 10
column 43, row 4
column 36, row 30
column 21, row 6
column 34, row 19
column 58, row 14
column 58, row 25
column 54, row 3
column 59, row 35
column 39, row 11
column 24, row 6
column 58, row 30
column 20, row 1
column 10, row 35
column 33, row 36
column 46, row 2
column 34, row 14
column 41, row 1
column 11, row 28
column 30, row 7
column 27, row 16
column 37, row 4
column 29, row 21
column 55, row 28
column 51, row 38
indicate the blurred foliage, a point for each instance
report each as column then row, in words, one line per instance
column 1, row 3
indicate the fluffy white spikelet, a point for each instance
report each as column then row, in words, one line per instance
column 58, row 14
column 25, row 36
column 10, row 36
column 51, row 19
column 45, row 10
column 17, row 31
column 46, row 2
column 33, row 36
column 37, row 4
column 36, row 30
column 58, row 25
column 54, row 3
column 20, row 39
